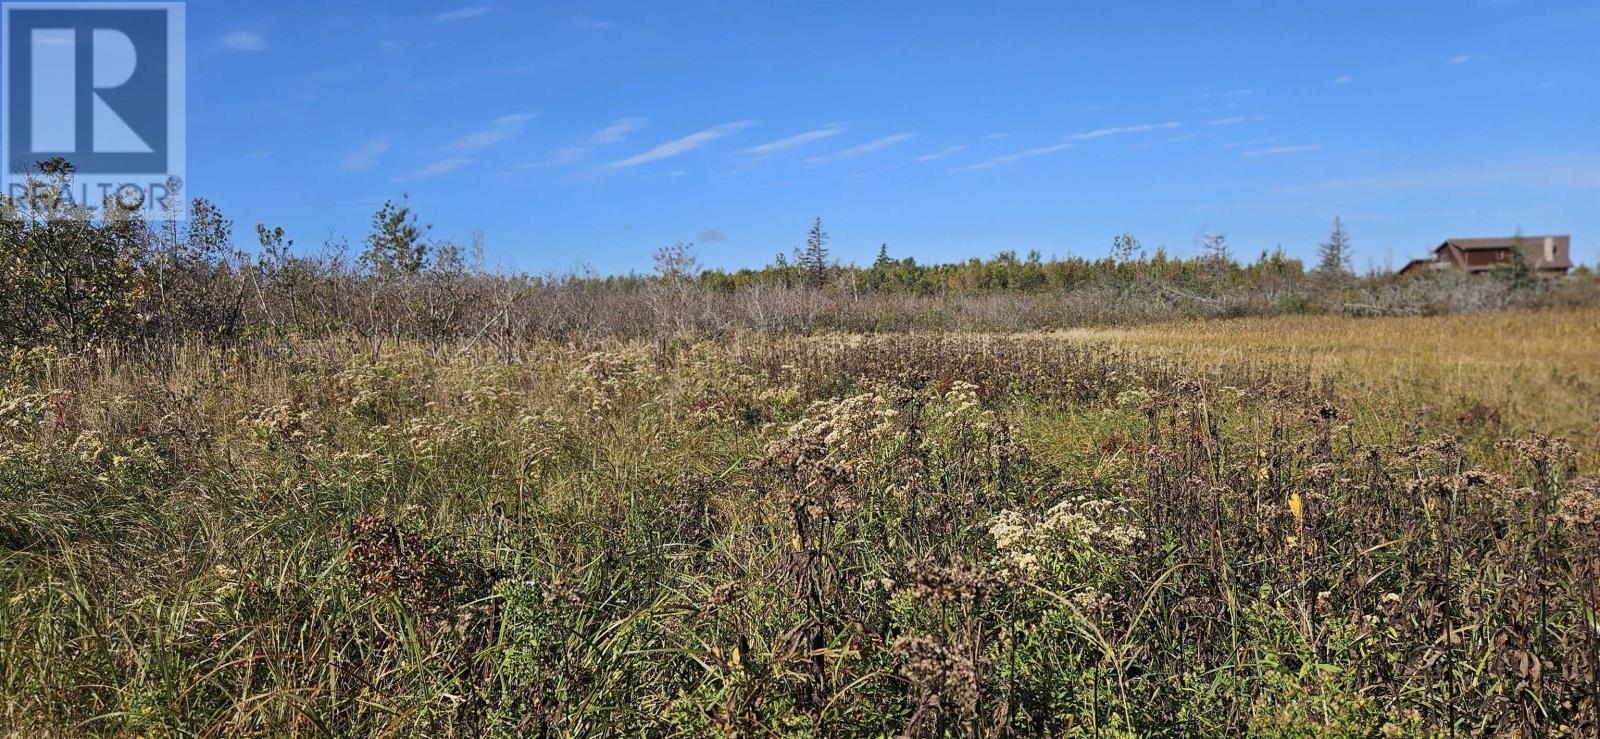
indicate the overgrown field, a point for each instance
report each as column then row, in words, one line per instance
column 1511, row 370
column 876, row 536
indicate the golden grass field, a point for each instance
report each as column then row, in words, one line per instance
column 1539, row 369
column 1292, row 527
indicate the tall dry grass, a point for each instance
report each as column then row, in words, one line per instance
column 851, row 536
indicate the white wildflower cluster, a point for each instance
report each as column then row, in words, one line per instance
column 23, row 416
column 1068, row 532
column 88, row 446
column 960, row 403
column 369, row 385
column 1134, row 399
column 604, row 377
column 539, row 435
column 23, row 419
column 471, row 385
column 430, row 441
column 853, row 430
column 280, row 422
column 844, row 438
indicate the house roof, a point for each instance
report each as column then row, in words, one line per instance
column 1532, row 248
column 1421, row 264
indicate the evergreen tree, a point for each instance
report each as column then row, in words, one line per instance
column 1515, row 271
column 814, row 260
column 397, row 245
column 1333, row 255
column 883, row 261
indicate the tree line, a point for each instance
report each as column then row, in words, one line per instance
column 75, row 275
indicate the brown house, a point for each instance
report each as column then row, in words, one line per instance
column 1548, row 256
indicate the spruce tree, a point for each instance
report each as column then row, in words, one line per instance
column 1333, row 260
column 814, row 260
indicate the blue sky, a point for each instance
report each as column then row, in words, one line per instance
column 592, row 133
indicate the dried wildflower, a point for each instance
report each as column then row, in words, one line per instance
column 1444, row 449
column 391, row 561
column 1547, row 455
column 1580, row 506
column 559, row 593
column 964, row 584
column 947, row 683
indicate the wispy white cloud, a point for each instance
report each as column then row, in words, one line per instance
column 687, row 143
column 618, row 130
column 1459, row 59
column 615, row 132
column 1007, row 158
column 1252, row 143
column 862, row 149
column 1237, row 119
column 871, row 172
column 498, row 130
column 1238, row 93
column 1276, row 150
column 563, row 156
column 440, row 167
column 244, row 41
column 1180, row 138
column 463, row 13
column 1343, row 79
column 1568, row 173
column 1099, row 132
column 799, row 139
column 363, row 157
column 942, row 153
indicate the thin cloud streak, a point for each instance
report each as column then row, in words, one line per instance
column 499, row 130
column 365, row 156
column 1007, row 158
column 862, row 149
column 461, row 14
column 942, row 153
column 618, row 130
column 1234, row 120
column 1578, row 173
column 1276, row 150
column 1099, row 132
column 573, row 154
column 443, row 166
column 244, row 41
column 687, row 143
column 790, row 142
